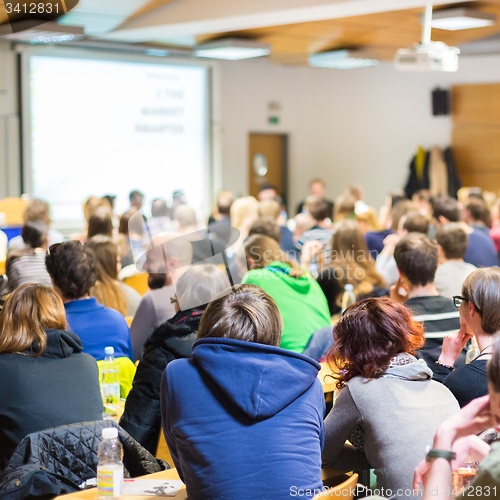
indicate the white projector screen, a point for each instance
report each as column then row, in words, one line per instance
column 99, row 127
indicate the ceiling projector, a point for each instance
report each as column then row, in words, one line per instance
column 429, row 56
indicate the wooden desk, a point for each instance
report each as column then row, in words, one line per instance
column 327, row 382
column 91, row 494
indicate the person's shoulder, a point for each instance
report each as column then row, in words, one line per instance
column 114, row 315
column 255, row 275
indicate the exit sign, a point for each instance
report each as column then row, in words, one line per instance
column 274, row 120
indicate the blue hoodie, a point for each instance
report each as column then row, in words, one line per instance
column 244, row 421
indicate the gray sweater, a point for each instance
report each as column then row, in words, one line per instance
column 397, row 414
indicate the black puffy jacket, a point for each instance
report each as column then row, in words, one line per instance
column 171, row 340
column 69, row 452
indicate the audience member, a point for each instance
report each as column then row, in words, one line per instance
column 243, row 212
column 479, row 318
column 100, row 222
column 267, row 192
column 136, row 199
column 300, row 300
column 36, row 211
column 132, row 227
column 421, row 201
column 345, row 207
column 303, row 222
column 481, row 250
column 350, row 263
column 271, row 208
column 222, row 402
column 156, row 305
column 171, row 340
column 412, row 222
column 458, row 436
column 28, row 265
column 477, row 215
column 417, row 260
column 160, row 221
column 45, row 378
column 317, row 188
column 452, row 240
column 266, row 226
column 376, row 240
column 391, row 200
column 321, row 231
column 108, row 290
column 219, row 223
column 72, row 268
column 389, row 406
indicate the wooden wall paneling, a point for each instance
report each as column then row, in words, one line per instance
column 476, row 105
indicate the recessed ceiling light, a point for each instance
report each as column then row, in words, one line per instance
column 49, row 32
column 342, row 59
column 232, row 49
column 461, row 19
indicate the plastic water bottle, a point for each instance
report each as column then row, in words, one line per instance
column 109, row 465
column 463, row 476
column 348, row 298
column 110, row 384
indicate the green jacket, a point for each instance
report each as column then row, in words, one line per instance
column 301, row 302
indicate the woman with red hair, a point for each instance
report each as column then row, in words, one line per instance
column 389, row 407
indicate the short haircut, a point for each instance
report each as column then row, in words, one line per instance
column 445, row 206
column 265, row 187
column 415, row 222
column 319, row 209
column 368, row 335
column 159, row 208
column 453, row 239
column 356, row 191
column 269, row 208
column 135, row 195
column 34, row 234
column 266, row 226
column 185, row 216
column 37, row 210
column 417, row 258
column 247, row 313
column 478, row 210
column 398, row 210
column 482, row 288
column 30, row 309
column 72, row 268
column 100, row 222
column 493, row 367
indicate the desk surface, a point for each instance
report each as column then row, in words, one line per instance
column 91, row 494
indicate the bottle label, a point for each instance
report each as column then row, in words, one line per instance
column 109, row 481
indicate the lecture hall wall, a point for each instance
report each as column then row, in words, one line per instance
column 348, row 126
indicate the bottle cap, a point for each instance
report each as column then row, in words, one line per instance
column 109, row 433
column 109, row 350
column 348, row 288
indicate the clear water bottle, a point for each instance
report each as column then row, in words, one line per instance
column 110, row 384
column 109, row 465
column 348, row 298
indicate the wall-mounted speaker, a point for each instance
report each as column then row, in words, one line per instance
column 440, row 102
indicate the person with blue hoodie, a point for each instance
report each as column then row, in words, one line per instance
column 243, row 418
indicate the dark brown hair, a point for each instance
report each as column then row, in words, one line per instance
column 482, row 288
column 100, row 222
column 30, row 309
column 478, row 211
column 246, row 313
column 398, row 210
column 417, row 258
column 453, row 239
column 368, row 335
column 266, row 226
column 415, row 222
column 493, row 367
column 319, row 209
column 445, row 206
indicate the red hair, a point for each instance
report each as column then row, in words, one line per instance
column 368, row 335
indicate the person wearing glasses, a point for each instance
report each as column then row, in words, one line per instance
column 480, row 318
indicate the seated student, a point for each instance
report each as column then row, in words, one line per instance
column 417, row 260
column 458, row 438
column 350, row 263
column 45, row 378
column 319, row 210
column 476, row 214
column 412, row 222
column 156, row 306
column 376, row 240
column 28, row 265
column 452, row 240
column 108, row 290
column 36, row 211
column 171, row 340
column 243, row 419
column 481, row 251
column 72, row 268
column 479, row 318
column 271, row 208
column 317, row 188
column 100, row 222
column 219, row 222
column 389, row 406
column 266, row 226
column 300, row 299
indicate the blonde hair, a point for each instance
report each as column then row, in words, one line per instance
column 269, row 208
column 92, row 204
column 37, row 211
column 30, row 309
column 107, row 290
column 243, row 208
column 263, row 250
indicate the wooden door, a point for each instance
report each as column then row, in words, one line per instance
column 267, row 163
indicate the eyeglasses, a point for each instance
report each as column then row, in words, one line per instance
column 52, row 249
column 458, row 299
